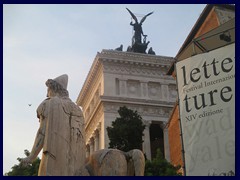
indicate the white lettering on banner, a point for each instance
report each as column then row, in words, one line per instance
column 206, row 89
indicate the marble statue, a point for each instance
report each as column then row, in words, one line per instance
column 61, row 137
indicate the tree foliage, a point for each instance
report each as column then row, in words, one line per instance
column 126, row 131
column 29, row 170
column 161, row 167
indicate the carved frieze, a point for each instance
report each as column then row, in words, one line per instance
column 136, row 70
column 145, row 90
column 143, row 110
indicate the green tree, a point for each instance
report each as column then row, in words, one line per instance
column 126, row 131
column 29, row 170
column 160, row 167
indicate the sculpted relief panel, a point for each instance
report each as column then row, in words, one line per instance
column 145, row 90
column 136, row 70
column 133, row 88
column 154, row 90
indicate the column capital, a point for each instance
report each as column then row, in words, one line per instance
column 123, row 79
column 163, row 124
column 95, row 133
column 146, row 139
column 147, row 123
column 144, row 81
column 99, row 126
column 91, row 140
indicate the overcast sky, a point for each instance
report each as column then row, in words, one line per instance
column 45, row 41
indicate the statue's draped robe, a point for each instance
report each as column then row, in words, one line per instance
column 64, row 142
column 138, row 33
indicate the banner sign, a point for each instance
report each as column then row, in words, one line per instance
column 206, row 89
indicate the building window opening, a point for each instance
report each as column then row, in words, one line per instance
column 157, row 140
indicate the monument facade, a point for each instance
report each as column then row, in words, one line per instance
column 135, row 80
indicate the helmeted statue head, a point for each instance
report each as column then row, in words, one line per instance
column 57, row 86
column 62, row 80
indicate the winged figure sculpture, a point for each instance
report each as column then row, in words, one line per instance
column 138, row 26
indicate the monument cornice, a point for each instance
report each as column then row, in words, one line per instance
column 135, row 58
column 150, row 102
column 135, row 69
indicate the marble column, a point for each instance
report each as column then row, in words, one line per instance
column 91, row 143
column 147, row 142
column 99, row 135
column 96, row 140
column 87, row 150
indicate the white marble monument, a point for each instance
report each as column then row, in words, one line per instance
column 135, row 80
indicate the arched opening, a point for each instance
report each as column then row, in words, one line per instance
column 156, row 138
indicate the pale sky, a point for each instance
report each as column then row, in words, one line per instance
column 44, row 41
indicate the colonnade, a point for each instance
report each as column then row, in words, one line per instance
column 94, row 142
